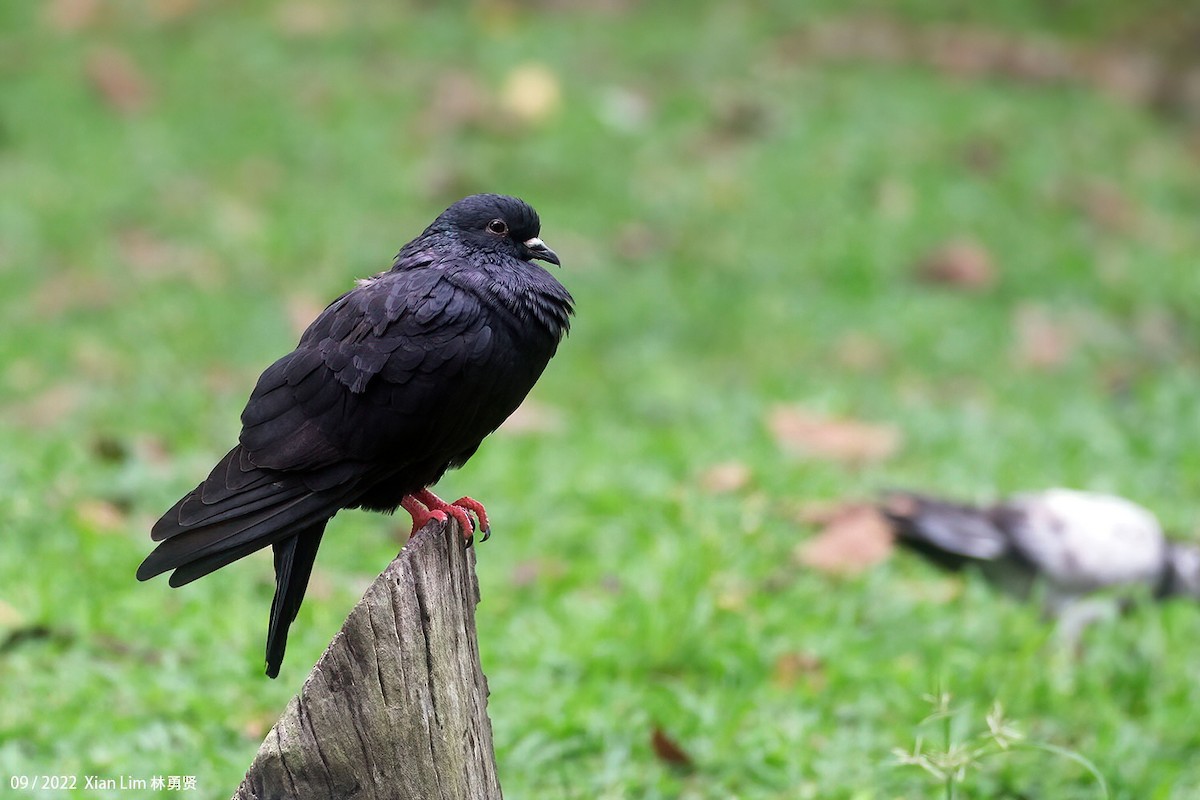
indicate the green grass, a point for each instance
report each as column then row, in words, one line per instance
column 723, row 240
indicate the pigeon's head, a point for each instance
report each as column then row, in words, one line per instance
column 1182, row 573
column 497, row 223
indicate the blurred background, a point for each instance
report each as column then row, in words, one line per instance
column 819, row 250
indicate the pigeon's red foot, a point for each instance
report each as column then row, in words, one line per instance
column 424, row 506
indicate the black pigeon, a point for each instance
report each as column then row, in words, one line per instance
column 395, row 382
column 1076, row 543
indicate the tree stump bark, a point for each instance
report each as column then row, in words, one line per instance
column 397, row 705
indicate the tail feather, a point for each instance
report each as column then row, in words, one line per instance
column 949, row 533
column 294, row 557
column 238, row 509
column 195, row 552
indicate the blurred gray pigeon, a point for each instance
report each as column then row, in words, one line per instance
column 1076, row 543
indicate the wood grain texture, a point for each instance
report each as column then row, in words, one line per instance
column 397, row 705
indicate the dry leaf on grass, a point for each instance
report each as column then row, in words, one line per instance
column 62, row 293
column 9, row 616
column 256, row 726
column 1106, row 206
column 983, row 155
column 792, row 667
column 961, row 263
column 307, row 18
column 535, row 570
column 802, row 432
column 302, row 309
column 46, row 409
column 102, row 516
column 728, row 476
column 859, row 351
column 118, row 80
column 533, row 417
column 152, row 450
column 69, row 16
column 458, row 100
column 668, row 750
column 109, row 448
column 531, row 93
column 169, row 11
column 144, row 251
column 636, row 242
column 1149, row 77
column 857, row 538
column 816, row 512
column 1042, row 340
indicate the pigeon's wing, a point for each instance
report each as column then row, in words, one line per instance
column 375, row 384
column 948, row 533
column 1083, row 541
column 383, row 375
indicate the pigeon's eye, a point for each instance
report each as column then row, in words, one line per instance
column 498, row 227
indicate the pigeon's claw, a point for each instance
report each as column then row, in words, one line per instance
column 425, row 506
column 476, row 508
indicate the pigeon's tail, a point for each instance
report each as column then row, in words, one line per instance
column 237, row 510
column 294, row 558
column 950, row 534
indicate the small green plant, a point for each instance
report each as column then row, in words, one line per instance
column 950, row 765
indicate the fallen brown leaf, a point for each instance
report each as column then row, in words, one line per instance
column 170, row 11
column 9, row 616
column 255, row 727
column 736, row 117
column 636, row 241
column 118, row 80
column 531, row 93
column 102, row 516
column 1135, row 77
column 152, row 450
column 534, row 570
column 816, row 512
column 857, row 538
column 1106, row 206
column 1042, row 342
column 47, row 408
column 109, row 448
column 61, row 293
column 308, row 18
column 302, row 309
column 961, row 263
column 728, row 476
column 149, row 254
column 668, row 750
column 859, row 351
column 983, row 155
column 458, row 100
column 802, row 432
column 69, row 16
column 1154, row 75
column 533, row 417
column 792, row 666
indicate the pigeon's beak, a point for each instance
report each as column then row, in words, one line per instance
column 537, row 249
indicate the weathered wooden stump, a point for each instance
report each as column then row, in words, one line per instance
column 397, row 705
